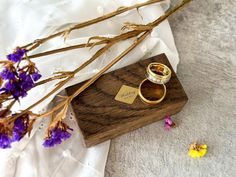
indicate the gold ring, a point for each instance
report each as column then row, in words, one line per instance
column 158, row 73
column 151, row 93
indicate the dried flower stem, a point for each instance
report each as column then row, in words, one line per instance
column 120, row 10
column 123, row 36
column 137, row 31
column 118, row 58
column 137, row 42
column 129, row 49
column 11, row 104
column 61, row 76
column 112, row 41
column 141, row 27
column 64, row 49
column 94, row 78
column 94, row 57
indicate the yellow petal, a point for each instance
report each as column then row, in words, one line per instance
column 203, row 152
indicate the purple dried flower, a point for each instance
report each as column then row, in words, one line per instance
column 57, row 135
column 25, row 81
column 168, row 123
column 15, row 89
column 8, row 135
column 168, row 120
column 20, row 124
column 17, row 55
column 48, row 143
column 5, row 138
column 20, row 128
column 10, row 86
column 19, row 93
column 20, row 85
column 36, row 76
column 18, row 81
column 16, row 136
column 5, row 141
column 7, row 74
column 20, row 52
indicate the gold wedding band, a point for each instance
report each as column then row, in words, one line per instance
column 151, row 93
column 158, row 73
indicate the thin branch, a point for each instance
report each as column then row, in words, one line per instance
column 64, row 49
column 94, row 78
column 123, row 36
column 139, row 40
column 62, row 76
column 120, row 10
column 118, row 58
column 98, row 54
column 62, row 83
column 127, row 25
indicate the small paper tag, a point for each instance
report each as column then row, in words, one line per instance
column 127, row 94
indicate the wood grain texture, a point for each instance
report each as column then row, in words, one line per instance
column 100, row 117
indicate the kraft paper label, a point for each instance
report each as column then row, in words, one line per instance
column 127, row 94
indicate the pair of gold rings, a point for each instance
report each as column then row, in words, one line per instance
column 152, row 90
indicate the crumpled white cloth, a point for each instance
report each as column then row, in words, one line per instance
column 23, row 21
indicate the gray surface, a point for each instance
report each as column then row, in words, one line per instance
column 205, row 34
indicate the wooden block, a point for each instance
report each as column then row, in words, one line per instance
column 100, row 117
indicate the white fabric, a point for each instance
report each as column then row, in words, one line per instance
column 22, row 21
